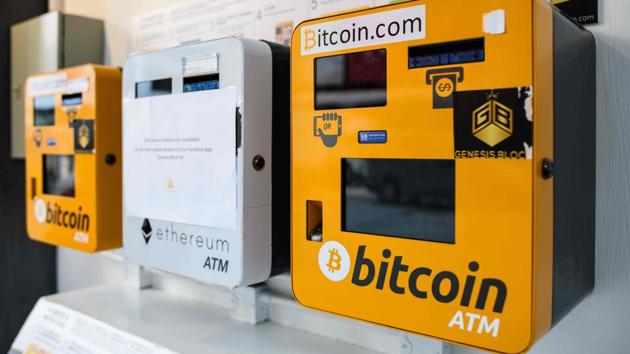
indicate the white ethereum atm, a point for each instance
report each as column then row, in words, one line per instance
column 206, row 160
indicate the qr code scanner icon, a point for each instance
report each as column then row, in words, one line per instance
column 328, row 127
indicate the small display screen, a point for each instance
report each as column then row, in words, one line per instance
column 201, row 83
column 468, row 51
column 44, row 110
column 59, row 175
column 154, row 88
column 351, row 80
column 399, row 198
column 75, row 99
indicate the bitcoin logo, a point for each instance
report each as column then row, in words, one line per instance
column 309, row 39
column 334, row 261
column 40, row 211
column 444, row 87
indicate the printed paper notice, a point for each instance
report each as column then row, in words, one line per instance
column 180, row 158
column 53, row 328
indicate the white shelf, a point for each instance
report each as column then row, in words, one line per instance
column 190, row 326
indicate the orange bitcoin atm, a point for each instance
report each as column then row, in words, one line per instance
column 443, row 168
column 73, row 146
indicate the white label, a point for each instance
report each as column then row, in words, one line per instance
column 200, row 64
column 207, row 254
column 46, row 84
column 81, row 84
column 405, row 24
column 81, row 237
column 57, row 83
column 180, row 158
column 494, row 22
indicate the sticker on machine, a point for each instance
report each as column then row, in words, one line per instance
column 179, row 158
column 493, row 124
column 83, row 135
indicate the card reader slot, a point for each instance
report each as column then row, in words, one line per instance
column 239, row 129
column 314, row 222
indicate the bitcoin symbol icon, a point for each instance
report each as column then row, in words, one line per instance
column 444, row 87
column 334, row 262
column 309, row 39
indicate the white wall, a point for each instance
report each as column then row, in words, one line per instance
column 600, row 324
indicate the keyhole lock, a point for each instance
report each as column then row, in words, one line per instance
column 258, row 162
column 110, row 159
column 547, row 168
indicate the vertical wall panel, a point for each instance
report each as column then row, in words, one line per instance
column 27, row 269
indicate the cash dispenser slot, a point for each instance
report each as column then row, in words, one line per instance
column 154, row 88
column 314, row 222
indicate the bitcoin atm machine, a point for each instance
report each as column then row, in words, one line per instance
column 443, row 157
column 73, row 149
column 206, row 154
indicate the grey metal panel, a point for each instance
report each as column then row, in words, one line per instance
column 574, row 169
column 83, row 41
column 44, row 44
column 34, row 49
column 281, row 157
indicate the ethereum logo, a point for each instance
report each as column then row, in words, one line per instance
column 147, row 231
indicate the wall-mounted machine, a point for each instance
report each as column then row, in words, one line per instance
column 206, row 153
column 443, row 176
column 73, row 146
column 44, row 44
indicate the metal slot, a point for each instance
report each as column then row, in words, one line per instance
column 314, row 224
column 33, row 187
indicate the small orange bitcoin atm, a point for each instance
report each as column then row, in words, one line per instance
column 73, row 145
column 443, row 168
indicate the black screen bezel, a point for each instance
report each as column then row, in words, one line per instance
column 344, row 228
column 320, row 107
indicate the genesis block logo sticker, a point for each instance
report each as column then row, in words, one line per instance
column 147, row 231
column 83, row 135
column 493, row 124
column 334, row 261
